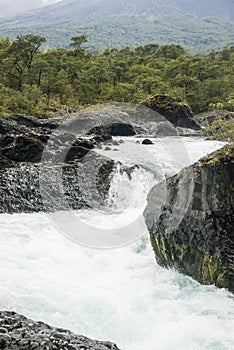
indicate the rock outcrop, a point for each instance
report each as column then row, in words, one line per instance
column 201, row 243
column 178, row 113
column 147, row 142
column 19, row 333
column 72, row 177
column 114, row 129
column 20, row 124
column 207, row 118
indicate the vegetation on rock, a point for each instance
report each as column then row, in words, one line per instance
column 201, row 244
column 221, row 130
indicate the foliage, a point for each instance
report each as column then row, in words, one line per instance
column 222, row 130
column 196, row 35
column 33, row 80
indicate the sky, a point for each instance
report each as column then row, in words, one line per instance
column 9, row 7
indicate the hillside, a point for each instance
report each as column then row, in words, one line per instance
column 81, row 9
column 195, row 35
column 117, row 23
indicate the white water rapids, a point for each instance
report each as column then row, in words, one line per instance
column 120, row 295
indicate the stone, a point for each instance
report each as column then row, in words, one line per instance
column 114, row 129
column 147, row 142
column 102, row 138
column 202, row 244
column 25, row 148
column 115, row 143
column 178, row 113
column 76, row 152
column 39, row 335
column 22, row 142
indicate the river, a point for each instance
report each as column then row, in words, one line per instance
column 119, row 294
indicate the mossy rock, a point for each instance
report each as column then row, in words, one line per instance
column 223, row 155
column 177, row 112
column 201, row 243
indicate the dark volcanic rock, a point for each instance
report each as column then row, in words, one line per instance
column 23, row 149
column 147, row 142
column 19, row 124
column 76, row 152
column 179, row 114
column 79, row 149
column 202, row 244
column 69, row 176
column 58, row 186
column 115, row 129
column 19, row 333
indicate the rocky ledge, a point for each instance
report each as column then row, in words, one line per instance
column 178, row 113
column 201, row 245
column 71, row 176
column 19, row 333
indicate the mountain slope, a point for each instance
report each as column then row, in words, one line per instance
column 120, row 23
column 83, row 9
column 195, row 35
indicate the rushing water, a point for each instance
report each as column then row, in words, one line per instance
column 120, row 295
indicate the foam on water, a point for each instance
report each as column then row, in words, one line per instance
column 120, row 295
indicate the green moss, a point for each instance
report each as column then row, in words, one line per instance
column 224, row 155
column 200, row 265
column 210, row 268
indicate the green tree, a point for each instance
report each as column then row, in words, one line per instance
column 21, row 53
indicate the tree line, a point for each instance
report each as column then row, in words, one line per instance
column 37, row 82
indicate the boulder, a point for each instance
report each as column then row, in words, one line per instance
column 75, row 153
column 19, row 333
column 23, row 148
column 147, row 142
column 102, row 138
column 73, row 173
column 178, row 113
column 201, row 243
column 50, row 187
column 114, row 129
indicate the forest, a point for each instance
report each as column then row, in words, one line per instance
column 195, row 35
column 38, row 82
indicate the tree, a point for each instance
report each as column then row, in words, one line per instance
column 26, row 47
column 21, row 55
column 76, row 43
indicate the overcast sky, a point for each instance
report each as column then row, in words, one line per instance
column 9, row 7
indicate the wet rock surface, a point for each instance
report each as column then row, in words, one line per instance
column 40, row 174
column 19, row 333
column 201, row 243
column 114, row 129
column 31, row 188
column 147, row 142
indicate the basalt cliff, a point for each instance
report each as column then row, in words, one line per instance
column 200, row 243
